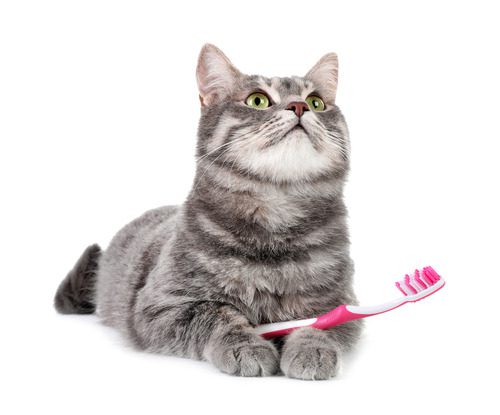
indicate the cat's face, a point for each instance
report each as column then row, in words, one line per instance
column 280, row 130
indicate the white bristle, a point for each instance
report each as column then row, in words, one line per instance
column 405, row 288
column 415, row 284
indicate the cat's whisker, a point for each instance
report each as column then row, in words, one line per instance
column 244, row 136
column 338, row 144
column 234, row 143
column 212, row 151
column 321, row 132
column 218, row 148
column 207, row 168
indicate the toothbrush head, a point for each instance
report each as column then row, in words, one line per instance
column 420, row 284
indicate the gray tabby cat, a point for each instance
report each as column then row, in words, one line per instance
column 261, row 238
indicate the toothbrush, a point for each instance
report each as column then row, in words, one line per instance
column 415, row 287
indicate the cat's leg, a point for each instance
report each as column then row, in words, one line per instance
column 314, row 354
column 206, row 330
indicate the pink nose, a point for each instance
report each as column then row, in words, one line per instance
column 298, row 107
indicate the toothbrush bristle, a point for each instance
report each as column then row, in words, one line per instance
column 418, row 281
column 400, row 288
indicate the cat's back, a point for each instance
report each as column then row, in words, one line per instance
column 123, row 262
column 135, row 233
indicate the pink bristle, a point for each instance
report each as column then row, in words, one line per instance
column 432, row 272
column 430, row 275
column 417, row 278
column 400, row 289
column 408, row 284
column 426, row 277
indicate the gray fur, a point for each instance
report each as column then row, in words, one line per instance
column 250, row 245
column 75, row 294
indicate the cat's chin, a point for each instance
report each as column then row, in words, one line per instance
column 294, row 158
column 298, row 129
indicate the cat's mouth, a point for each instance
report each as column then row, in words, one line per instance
column 298, row 127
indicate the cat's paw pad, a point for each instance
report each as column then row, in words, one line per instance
column 243, row 359
column 310, row 363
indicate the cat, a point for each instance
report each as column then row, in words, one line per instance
column 261, row 237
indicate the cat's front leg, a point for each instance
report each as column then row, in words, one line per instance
column 240, row 351
column 207, row 330
column 310, row 354
column 313, row 354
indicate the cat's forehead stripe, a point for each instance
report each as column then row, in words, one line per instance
column 270, row 89
column 283, row 87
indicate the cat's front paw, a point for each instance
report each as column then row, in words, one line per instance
column 309, row 358
column 256, row 357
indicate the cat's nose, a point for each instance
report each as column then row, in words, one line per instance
column 298, row 107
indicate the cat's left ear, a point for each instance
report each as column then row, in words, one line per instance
column 325, row 75
column 216, row 75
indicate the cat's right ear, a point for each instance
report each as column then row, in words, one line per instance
column 325, row 75
column 216, row 75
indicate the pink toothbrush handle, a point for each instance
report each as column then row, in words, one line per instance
column 336, row 317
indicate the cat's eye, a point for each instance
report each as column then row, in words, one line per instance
column 258, row 100
column 315, row 103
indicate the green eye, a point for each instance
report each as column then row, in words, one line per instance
column 315, row 103
column 258, row 100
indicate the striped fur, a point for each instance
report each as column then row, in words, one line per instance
column 262, row 236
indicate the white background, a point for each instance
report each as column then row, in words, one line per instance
column 98, row 118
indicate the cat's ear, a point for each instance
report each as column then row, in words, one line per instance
column 216, row 75
column 325, row 75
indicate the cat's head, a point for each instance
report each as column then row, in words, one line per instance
column 280, row 130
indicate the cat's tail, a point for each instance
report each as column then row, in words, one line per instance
column 75, row 294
